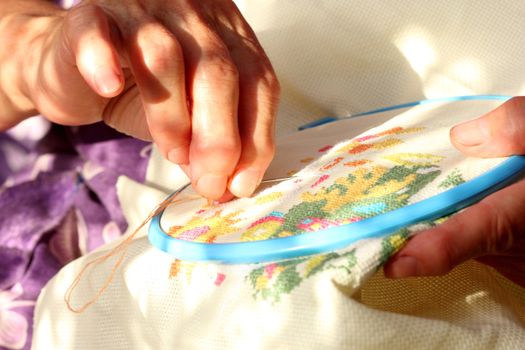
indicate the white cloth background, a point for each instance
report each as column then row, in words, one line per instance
column 341, row 57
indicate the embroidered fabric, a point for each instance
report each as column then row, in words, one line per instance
column 307, row 302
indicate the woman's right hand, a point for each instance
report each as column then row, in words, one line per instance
column 188, row 74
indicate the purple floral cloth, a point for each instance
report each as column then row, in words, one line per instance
column 57, row 201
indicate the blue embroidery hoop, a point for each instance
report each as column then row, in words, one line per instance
column 334, row 238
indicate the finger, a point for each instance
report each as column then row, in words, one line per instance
column 258, row 102
column 500, row 132
column 226, row 197
column 126, row 114
column 157, row 63
column 489, row 227
column 215, row 146
column 213, row 84
column 89, row 38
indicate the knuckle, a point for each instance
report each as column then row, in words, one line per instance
column 172, row 130
column 448, row 255
column 218, row 67
column 178, row 133
column 516, row 101
column 163, row 54
column 269, row 150
column 262, row 79
column 500, row 230
column 270, row 80
column 82, row 15
column 514, row 124
column 274, row 91
column 85, row 30
column 78, row 13
column 254, row 152
column 274, row 84
column 261, row 71
column 515, row 142
column 266, row 151
column 222, row 146
column 181, row 135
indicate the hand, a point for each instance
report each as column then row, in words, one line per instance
column 493, row 230
column 188, row 74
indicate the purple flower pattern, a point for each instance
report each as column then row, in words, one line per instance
column 58, row 201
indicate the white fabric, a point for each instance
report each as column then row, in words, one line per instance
column 333, row 57
column 338, row 57
column 148, row 306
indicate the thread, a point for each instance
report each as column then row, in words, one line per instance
column 121, row 248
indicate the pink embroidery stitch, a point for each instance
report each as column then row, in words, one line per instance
column 320, row 180
column 270, row 269
column 192, row 234
column 220, row 278
column 324, row 149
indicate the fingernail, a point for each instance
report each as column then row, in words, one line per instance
column 178, row 156
column 106, row 80
column 211, row 186
column 470, row 134
column 245, row 183
column 405, row 266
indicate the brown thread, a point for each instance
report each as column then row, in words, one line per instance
column 122, row 246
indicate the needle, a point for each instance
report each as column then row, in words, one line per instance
column 277, row 179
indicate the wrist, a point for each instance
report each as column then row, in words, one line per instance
column 23, row 34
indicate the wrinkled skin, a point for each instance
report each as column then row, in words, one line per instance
column 188, row 74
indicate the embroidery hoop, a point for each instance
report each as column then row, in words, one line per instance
column 334, row 238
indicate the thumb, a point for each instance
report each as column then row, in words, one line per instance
column 498, row 133
column 88, row 33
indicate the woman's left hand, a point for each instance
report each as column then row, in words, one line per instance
column 493, row 230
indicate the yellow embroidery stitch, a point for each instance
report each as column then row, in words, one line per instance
column 313, row 262
column 414, row 159
column 270, row 197
column 354, row 188
column 206, row 229
column 386, row 144
column 357, row 146
column 261, row 231
column 390, row 186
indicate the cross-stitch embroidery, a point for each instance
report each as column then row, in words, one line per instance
column 273, row 280
column 453, row 179
column 347, row 189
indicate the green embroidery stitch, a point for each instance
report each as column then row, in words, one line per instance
column 272, row 281
column 452, row 180
column 362, row 194
column 390, row 244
